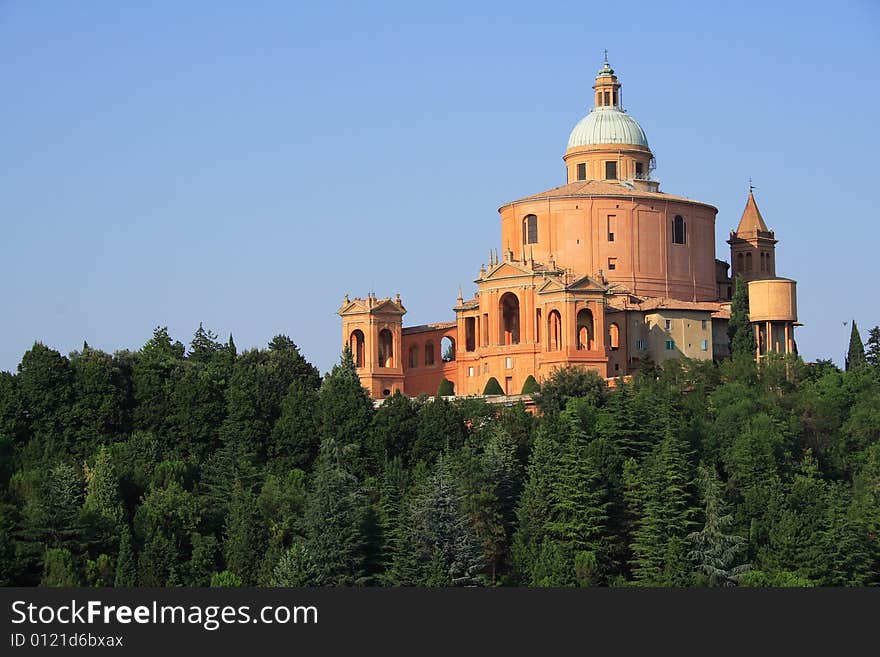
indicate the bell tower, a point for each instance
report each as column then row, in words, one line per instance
column 373, row 329
column 752, row 245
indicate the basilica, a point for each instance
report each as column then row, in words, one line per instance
column 599, row 273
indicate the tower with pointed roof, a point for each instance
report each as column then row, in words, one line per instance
column 752, row 245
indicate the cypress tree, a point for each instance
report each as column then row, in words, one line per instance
column 855, row 355
column 493, row 387
column 872, row 353
column 739, row 330
column 530, row 385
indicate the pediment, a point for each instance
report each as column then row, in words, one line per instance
column 586, row 284
column 507, row 270
column 362, row 306
column 551, row 285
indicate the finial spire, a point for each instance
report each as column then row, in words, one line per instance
column 751, row 186
column 606, row 56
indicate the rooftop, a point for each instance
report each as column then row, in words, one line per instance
column 600, row 188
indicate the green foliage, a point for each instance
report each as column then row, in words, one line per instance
column 739, row 330
column 59, row 568
column 567, row 383
column 660, row 497
column 855, row 354
column 202, row 466
column 244, row 535
column 446, row 388
column 715, row 551
column 446, row 547
column 530, row 386
column 126, row 562
column 332, row 518
column 294, row 568
column 872, row 352
column 346, row 409
column 493, row 387
column 225, row 579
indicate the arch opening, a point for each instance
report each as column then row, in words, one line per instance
column 356, row 344
column 447, row 348
column 585, row 330
column 386, row 348
column 554, row 331
column 509, row 311
column 530, row 229
column 614, row 336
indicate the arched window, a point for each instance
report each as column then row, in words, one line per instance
column 414, row 356
column 429, row 353
column 509, row 309
column 530, row 229
column 554, row 331
column 585, row 330
column 386, row 348
column 748, row 262
column 739, row 264
column 614, row 336
column 356, row 343
column 679, row 230
column 447, row 348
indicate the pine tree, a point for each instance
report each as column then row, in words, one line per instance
column 394, row 429
column 441, row 533
column 533, row 508
column 102, row 490
column 715, row 550
column 332, row 518
column 577, row 519
column 739, row 330
column 59, row 569
column 152, row 382
column 855, row 355
column 126, row 563
column 660, row 497
column 296, row 435
column 396, row 565
column 294, row 568
column 346, row 408
column 244, row 535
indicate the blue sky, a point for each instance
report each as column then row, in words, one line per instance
column 245, row 165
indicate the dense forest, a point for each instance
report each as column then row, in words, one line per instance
column 201, row 466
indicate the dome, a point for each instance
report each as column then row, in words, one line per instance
column 607, row 125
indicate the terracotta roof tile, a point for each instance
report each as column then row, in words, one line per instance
column 586, row 188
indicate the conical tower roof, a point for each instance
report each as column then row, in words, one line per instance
column 751, row 221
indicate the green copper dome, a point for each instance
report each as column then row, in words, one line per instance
column 607, row 125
